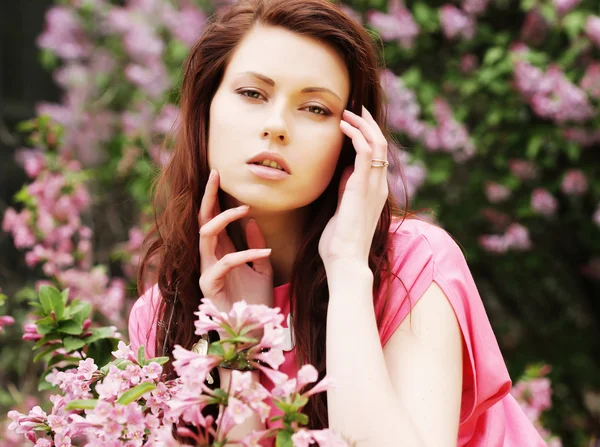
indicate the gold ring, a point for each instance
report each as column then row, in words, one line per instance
column 377, row 163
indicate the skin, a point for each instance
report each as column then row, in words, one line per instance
column 420, row 363
column 303, row 127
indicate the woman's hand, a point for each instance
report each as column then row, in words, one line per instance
column 363, row 191
column 225, row 276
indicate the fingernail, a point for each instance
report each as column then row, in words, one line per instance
column 243, row 207
column 212, row 174
column 264, row 250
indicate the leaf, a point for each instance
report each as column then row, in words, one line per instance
column 99, row 333
column 492, row 55
column 70, row 327
column 72, row 343
column 141, row 355
column 78, row 311
column 52, row 301
column 44, row 352
column 216, row 349
column 159, row 360
column 82, row 404
column 284, row 439
column 135, row 393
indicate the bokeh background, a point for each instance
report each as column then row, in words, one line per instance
column 495, row 105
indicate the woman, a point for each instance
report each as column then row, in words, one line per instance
column 386, row 305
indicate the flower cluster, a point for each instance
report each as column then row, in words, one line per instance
column 129, row 402
column 404, row 116
column 534, row 394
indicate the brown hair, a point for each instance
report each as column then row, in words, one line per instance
column 173, row 239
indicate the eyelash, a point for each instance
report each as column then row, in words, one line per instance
column 325, row 111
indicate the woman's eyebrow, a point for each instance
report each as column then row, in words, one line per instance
column 271, row 82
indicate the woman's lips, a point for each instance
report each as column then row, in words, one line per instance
column 267, row 173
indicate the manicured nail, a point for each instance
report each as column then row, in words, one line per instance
column 264, row 251
column 243, row 207
column 212, row 174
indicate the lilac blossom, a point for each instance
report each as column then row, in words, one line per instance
column 591, row 80
column 63, row 34
column 515, row 238
column 496, row 193
column 475, row 7
column 592, row 29
column 398, row 25
column 574, row 183
column 543, row 202
column 456, row 24
column 564, row 6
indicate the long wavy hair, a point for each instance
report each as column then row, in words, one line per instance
column 171, row 246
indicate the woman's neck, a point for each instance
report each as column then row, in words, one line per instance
column 282, row 231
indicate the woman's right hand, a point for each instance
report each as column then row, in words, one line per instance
column 225, row 276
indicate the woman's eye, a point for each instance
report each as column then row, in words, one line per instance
column 252, row 92
column 321, row 110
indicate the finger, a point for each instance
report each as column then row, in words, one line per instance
column 230, row 261
column 208, row 199
column 364, row 153
column 380, row 144
column 209, row 233
column 343, row 182
column 256, row 240
column 363, row 125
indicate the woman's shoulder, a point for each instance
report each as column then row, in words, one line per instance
column 419, row 243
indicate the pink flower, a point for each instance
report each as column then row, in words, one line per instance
column 152, row 79
column 591, row 80
column 564, row 6
column 398, row 25
column 574, row 183
column 523, row 169
column 592, row 29
column 238, row 410
column 475, row 7
column 166, row 120
column 495, row 192
column 186, row 24
column 63, row 34
column 33, row 161
column 456, row 24
column 6, row 320
column 517, row 237
column 543, row 202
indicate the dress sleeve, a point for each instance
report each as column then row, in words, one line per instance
column 142, row 321
column 423, row 254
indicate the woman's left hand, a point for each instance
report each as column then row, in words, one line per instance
column 362, row 194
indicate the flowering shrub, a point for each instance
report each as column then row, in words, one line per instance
column 495, row 104
column 127, row 401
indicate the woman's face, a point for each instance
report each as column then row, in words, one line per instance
column 262, row 105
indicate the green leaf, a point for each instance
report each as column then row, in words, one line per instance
column 159, row 360
column 70, row 327
column 78, row 311
column 82, row 404
column 141, row 355
column 72, row 344
column 534, row 145
column 135, row 393
column 52, row 301
column 492, row 55
column 216, row 349
column 46, row 351
column 284, row 439
column 98, row 334
column 60, row 358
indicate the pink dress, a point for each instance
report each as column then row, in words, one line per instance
column 423, row 253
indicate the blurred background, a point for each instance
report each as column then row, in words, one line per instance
column 495, row 104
